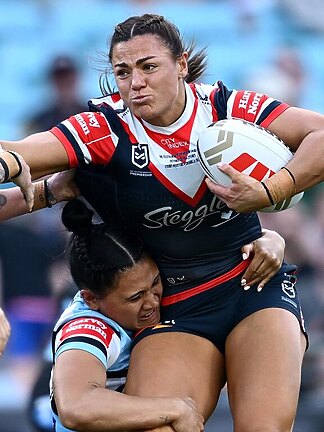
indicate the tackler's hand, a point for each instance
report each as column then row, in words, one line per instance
column 189, row 419
column 267, row 255
column 14, row 168
column 62, row 187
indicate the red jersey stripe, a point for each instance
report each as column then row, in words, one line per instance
column 175, row 298
column 274, row 114
column 176, row 191
column 73, row 161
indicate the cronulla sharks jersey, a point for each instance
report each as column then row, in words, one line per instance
column 150, row 177
column 82, row 328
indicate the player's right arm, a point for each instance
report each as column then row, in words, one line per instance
column 81, row 139
column 43, row 152
column 83, row 402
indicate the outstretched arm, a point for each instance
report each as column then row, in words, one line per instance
column 43, row 152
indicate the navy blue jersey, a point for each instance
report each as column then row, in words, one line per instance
column 149, row 178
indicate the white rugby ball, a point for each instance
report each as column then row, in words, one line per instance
column 247, row 147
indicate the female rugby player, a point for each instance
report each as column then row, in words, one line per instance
column 137, row 159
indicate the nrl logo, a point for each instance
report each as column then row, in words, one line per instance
column 140, row 155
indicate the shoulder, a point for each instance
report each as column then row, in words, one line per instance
column 79, row 320
column 92, row 326
column 94, row 334
column 112, row 100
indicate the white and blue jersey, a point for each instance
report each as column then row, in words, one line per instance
column 81, row 328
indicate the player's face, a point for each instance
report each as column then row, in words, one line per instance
column 135, row 301
column 149, row 80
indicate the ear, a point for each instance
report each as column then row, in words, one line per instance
column 90, row 299
column 183, row 65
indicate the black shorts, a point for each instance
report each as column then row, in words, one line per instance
column 213, row 313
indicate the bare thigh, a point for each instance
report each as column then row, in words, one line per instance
column 177, row 364
column 264, row 356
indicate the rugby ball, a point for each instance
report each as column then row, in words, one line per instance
column 247, row 147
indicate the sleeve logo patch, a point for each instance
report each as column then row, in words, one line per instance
column 85, row 120
column 249, row 103
column 87, row 327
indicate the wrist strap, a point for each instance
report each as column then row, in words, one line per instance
column 18, row 163
column 5, row 169
column 11, row 165
column 48, row 194
column 40, row 200
column 290, row 173
column 268, row 193
column 281, row 186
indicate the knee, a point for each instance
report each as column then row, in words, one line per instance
column 253, row 425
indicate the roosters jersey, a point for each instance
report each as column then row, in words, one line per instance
column 150, row 179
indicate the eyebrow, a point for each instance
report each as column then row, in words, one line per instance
column 155, row 280
column 138, row 62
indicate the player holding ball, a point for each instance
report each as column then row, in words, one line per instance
column 136, row 151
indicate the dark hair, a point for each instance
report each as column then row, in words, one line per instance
column 170, row 35
column 98, row 253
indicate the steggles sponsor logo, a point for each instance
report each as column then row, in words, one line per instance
column 189, row 220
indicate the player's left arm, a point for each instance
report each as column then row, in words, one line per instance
column 303, row 131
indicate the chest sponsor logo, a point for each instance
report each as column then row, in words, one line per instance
column 140, row 155
column 191, row 219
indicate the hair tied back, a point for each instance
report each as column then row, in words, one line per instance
column 77, row 217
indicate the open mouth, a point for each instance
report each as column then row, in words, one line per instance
column 150, row 316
